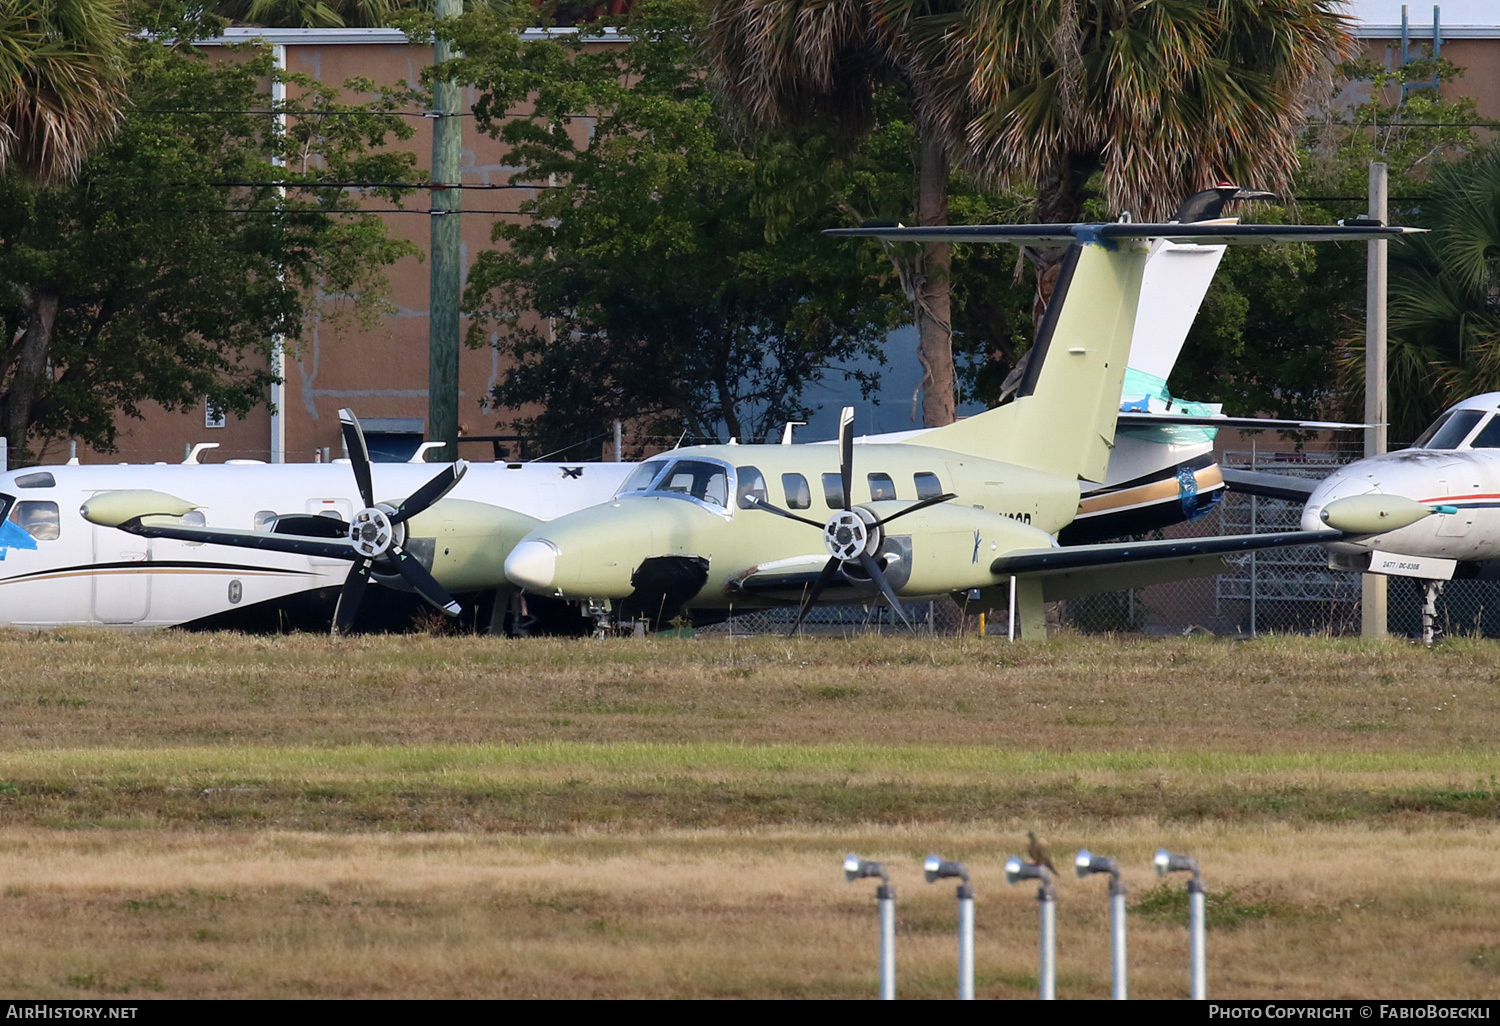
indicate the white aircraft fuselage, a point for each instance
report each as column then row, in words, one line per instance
column 79, row 573
column 1456, row 464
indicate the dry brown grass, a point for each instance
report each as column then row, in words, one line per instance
column 213, row 815
column 1337, row 911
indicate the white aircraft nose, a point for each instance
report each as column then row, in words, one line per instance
column 532, row 564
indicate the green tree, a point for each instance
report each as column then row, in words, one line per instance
column 665, row 273
column 825, row 64
column 61, row 83
column 164, row 271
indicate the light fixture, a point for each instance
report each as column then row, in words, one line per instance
column 936, row 868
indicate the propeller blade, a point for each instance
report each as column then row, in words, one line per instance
column 759, row 503
column 350, row 596
column 846, row 454
column 872, row 567
column 916, row 506
column 359, row 456
column 264, row 540
column 422, row 582
column 824, row 579
column 430, row 492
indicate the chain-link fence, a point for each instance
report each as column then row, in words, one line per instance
column 1281, row 591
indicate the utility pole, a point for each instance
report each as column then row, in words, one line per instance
column 1372, row 586
column 447, row 259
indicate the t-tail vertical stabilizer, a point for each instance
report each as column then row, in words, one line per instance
column 1063, row 416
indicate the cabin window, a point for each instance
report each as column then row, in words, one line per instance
column 193, row 518
column 41, row 480
column 640, row 479
column 38, row 519
column 263, row 521
column 928, row 485
column 798, row 495
column 881, row 487
column 1449, row 431
column 708, row 482
column 1489, row 436
column 833, row 490
column 752, row 488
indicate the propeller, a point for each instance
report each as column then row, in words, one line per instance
column 378, row 531
column 852, row 534
column 375, row 536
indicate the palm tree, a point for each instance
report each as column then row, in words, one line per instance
column 61, row 83
column 801, row 62
column 1444, row 300
column 1159, row 97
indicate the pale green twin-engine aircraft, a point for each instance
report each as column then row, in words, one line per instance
column 970, row 508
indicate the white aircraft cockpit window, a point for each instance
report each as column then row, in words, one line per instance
column 881, row 487
column 38, row 519
column 640, row 478
column 798, row 495
column 707, row 482
column 833, row 491
column 752, row 487
column 1488, row 437
column 928, row 485
column 1450, row 430
column 263, row 520
column 42, row 479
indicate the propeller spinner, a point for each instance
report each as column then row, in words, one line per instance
column 853, row 534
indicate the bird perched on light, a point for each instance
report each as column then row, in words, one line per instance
column 1036, row 851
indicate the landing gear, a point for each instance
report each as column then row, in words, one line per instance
column 1430, row 592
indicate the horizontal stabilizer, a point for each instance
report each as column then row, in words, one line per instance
column 1237, row 423
column 1067, row 234
column 1078, row 557
column 1269, row 486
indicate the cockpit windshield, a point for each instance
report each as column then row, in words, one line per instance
column 1449, row 430
column 640, row 478
column 695, row 479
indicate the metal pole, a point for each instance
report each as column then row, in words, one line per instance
column 278, row 341
column 1011, row 634
column 4, row 454
column 618, row 441
column 1117, row 973
column 885, row 894
column 1372, row 588
column 447, row 255
column 1046, row 896
column 1198, row 989
column 965, row 942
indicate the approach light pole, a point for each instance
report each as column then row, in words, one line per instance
column 447, row 255
column 1372, row 587
column 936, row 868
column 1085, row 864
column 1165, row 862
column 856, row 868
column 1046, row 896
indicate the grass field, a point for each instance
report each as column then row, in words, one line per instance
column 204, row 815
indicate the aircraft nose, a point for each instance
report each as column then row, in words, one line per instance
column 532, row 564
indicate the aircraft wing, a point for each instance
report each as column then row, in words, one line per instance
column 1270, row 486
column 1041, row 562
column 1206, row 234
column 162, row 527
column 1241, row 423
